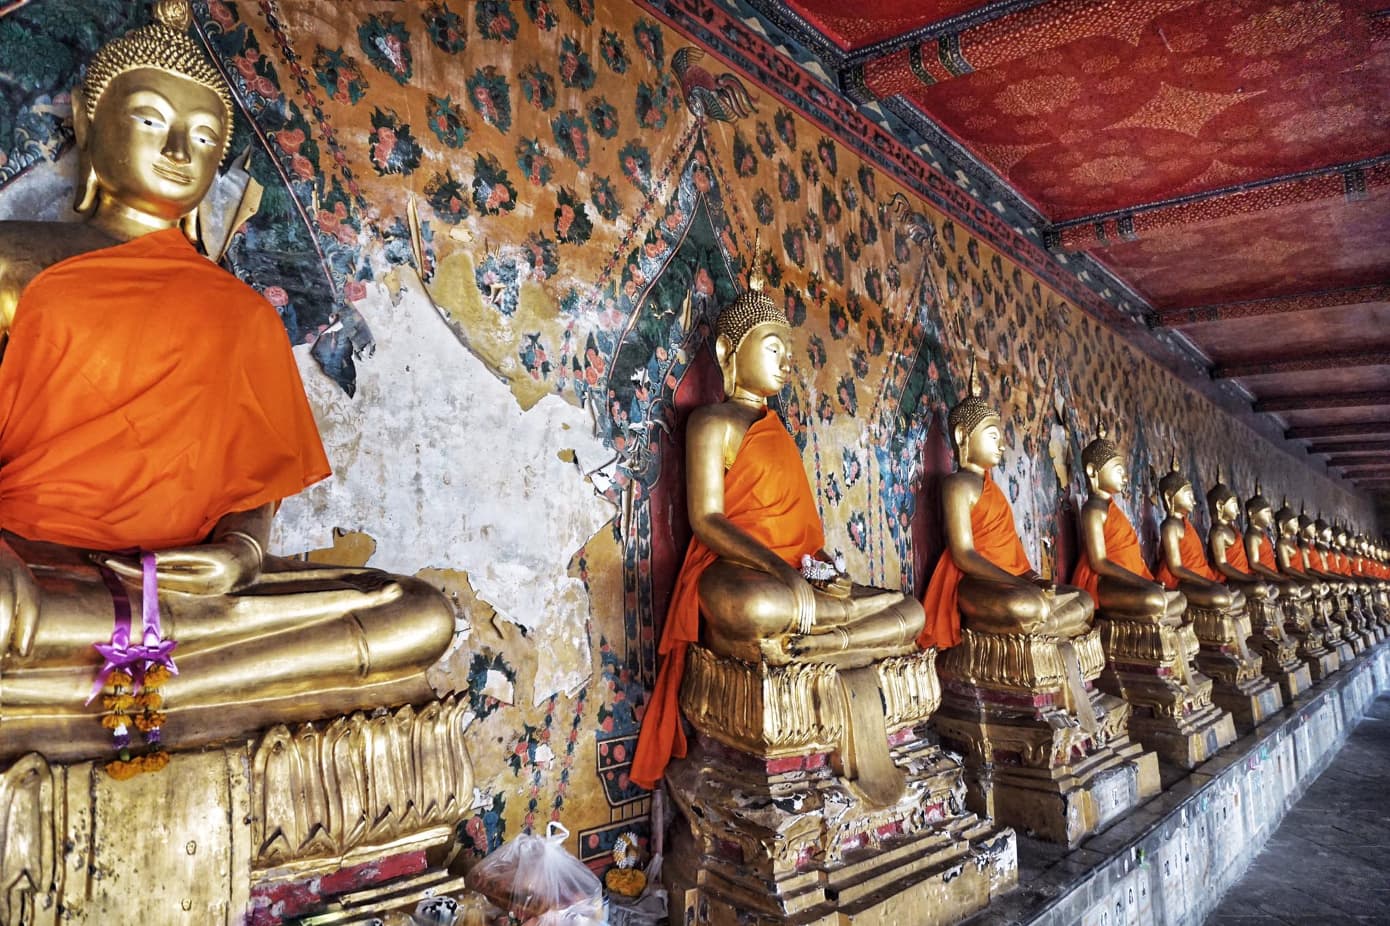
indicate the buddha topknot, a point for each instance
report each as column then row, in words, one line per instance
column 970, row 412
column 1101, row 450
column 751, row 308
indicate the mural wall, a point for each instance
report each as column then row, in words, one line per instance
column 498, row 231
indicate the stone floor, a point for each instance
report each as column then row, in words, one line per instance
column 1329, row 861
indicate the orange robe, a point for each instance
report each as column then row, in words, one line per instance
column 1264, row 553
column 145, row 393
column 996, row 539
column 767, row 495
column 1235, row 553
column 1121, row 548
column 1193, row 558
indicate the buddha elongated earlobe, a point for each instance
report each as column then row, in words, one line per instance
column 85, row 200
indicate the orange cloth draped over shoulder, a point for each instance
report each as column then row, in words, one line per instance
column 766, row 494
column 1193, row 558
column 996, row 539
column 1264, row 552
column 1121, row 548
column 1235, row 553
column 144, row 394
column 1317, row 560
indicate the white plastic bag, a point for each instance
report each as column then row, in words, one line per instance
column 539, row 883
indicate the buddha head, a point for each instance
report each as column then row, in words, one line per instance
column 1339, row 539
column 1222, row 501
column 1287, row 520
column 1176, row 490
column 752, row 342
column 1307, row 528
column 152, row 119
column 975, row 428
column 1259, row 514
column 1105, row 471
column 1322, row 531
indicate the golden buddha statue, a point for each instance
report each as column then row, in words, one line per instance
column 1321, row 602
column 1216, row 613
column 1328, row 566
column 780, row 662
column 151, row 402
column 1226, row 545
column 1358, row 608
column 1018, row 661
column 1148, row 647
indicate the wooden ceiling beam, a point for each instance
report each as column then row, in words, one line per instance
column 1355, row 457
column 1313, row 431
column 1293, row 403
column 1308, row 364
column 1365, row 446
column 1278, row 305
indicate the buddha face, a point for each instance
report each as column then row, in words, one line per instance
column 985, row 445
column 764, row 360
column 1288, row 527
column 1228, row 509
column 1111, row 478
column 1262, row 517
column 154, row 141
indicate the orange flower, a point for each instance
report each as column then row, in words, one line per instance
column 156, row 676
column 118, row 702
column 150, row 720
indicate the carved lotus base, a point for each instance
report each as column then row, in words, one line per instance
column 1307, row 623
column 774, row 828
column 1278, row 650
column 240, row 834
column 1149, row 665
column 1238, row 685
column 787, row 840
column 1035, row 758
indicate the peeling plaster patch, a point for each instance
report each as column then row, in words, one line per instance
column 436, row 461
column 350, row 548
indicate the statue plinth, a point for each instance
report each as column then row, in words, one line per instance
column 777, row 830
column 1278, row 651
column 242, row 833
column 1238, row 685
column 1148, row 664
column 1360, row 632
column 1306, row 622
column 1340, row 634
column 1044, row 749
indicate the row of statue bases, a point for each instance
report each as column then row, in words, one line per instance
column 857, row 755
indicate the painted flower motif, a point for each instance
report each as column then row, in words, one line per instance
column 873, row 337
column 604, row 198
column 603, row 117
column 447, row 197
column 575, row 68
column 276, row 296
column 651, row 107
column 814, row 229
column 538, row 87
column 493, row 192
column 762, row 207
column 584, row 9
column 794, row 243
column 851, row 469
column 786, row 127
column 787, row 183
column 543, row 254
column 745, row 158
column 825, row 150
column 845, row 394
column 614, row 52
column 866, row 183
column 868, row 228
column 647, row 35
column 386, row 43
column 534, row 163
column 394, row 149
column 859, row 363
column 445, row 28
column 223, row 14
column 795, row 305
column 541, row 13
column 636, row 163
column 873, row 284
column 853, row 249
column 839, row 321
column 763, row 136
column 824, row 410
column 446, row 121
column 495, row 20
column 829, row 204
column 858, row 527
column 833, row 494
column 339, row 75
column 571, row 136
column 572, row 223
column 815, row 352
column 491, row 97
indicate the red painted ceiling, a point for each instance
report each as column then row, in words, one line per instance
column 1207, row 96
column 1219, row 136
column 858, row 24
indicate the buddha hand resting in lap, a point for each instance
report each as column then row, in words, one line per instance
column 1227, row 545
column 1183, row 562
column 1111, row 567
column 149, row 401
column 741, row 592
column 983, row 578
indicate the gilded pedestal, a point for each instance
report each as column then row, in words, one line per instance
column 1037, row 758
column 226, row 835
column 1149, row 665
column 1278, row 651
column 1307, row 626
column 774, row 828
column 1238, row 685
column 1340, row 635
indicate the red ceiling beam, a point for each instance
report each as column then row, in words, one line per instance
column 1363, row 447
column 1365, row 429
column 1352, row 180
column 1310, row 364
column 1357, row 458
column 1293, row 403
column 989, row 41
column 1278, row 305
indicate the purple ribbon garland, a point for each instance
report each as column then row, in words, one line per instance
column 152, row 650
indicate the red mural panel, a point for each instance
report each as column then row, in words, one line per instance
column 1164, row 102
column 1282, row 250
column 858, row 25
